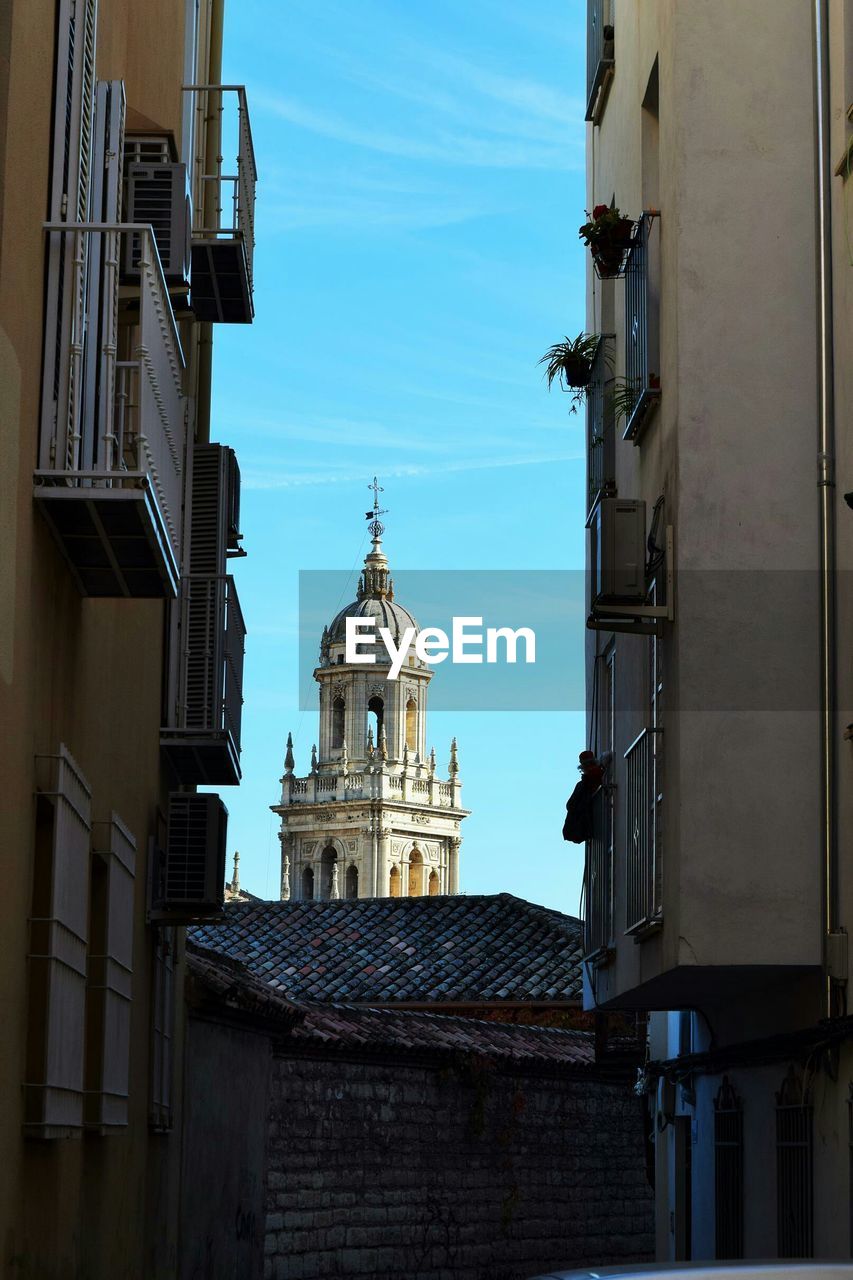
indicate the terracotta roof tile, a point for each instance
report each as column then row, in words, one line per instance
column 455, row 950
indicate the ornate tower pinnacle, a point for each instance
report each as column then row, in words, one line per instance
column 235, row 878
column 289, row 762
column 375, row 579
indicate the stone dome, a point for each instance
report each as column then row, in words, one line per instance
column 386, row 612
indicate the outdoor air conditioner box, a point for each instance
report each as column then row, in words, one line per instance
column 194, row 874
column 158, row 194
column 618, row 552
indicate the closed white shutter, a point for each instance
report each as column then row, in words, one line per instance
column 53, row 1089
column 110, row 974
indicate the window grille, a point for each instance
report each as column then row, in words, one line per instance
column 599, row 850
column 728, row 1172
column 794, row 1170
column 600, row 427
column 642, row 855
column 642, row 351
column 53, row 1089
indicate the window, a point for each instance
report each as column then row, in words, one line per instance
column 394, row 882
column 794, row 1181
column 599, row 56
column 376, row 718
column 642, row 387
column 109, row 973
column 599, row 850
column 352, row 881
column 434, row 885
column 53, row 1088
column 728, row 1172
column 307, row 884
column 339, row 710
column 412, row 725
column 329, row 863
column 416, row 873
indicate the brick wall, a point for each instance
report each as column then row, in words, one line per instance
column 449, row 1173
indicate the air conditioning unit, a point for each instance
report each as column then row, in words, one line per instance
column 618, row 552
column 193, row 879
column 158, row 194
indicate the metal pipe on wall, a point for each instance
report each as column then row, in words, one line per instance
column 826, row 486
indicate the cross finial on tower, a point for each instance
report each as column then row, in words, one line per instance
column 376, row 527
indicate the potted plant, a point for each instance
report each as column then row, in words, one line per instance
column 608, row 234
column 569, row 364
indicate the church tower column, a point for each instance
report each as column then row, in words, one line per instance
column 453, row 846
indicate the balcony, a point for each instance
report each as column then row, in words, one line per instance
column 598, row 928
column 642, row 854
column 599, row 57
column 110, row 477
column 640, row 393
column 223, row 231
column 600, row 428
column 203, row 741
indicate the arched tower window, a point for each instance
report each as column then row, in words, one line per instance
column 416, row 873
column 433, row 884
column 376, row 717
column 352, row 881
column 339, row 709
column 329, row 859
column 307, row 883
column 412, row 725
column 394, row 882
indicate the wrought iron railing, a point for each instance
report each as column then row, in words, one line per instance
column 600, row 430
column 642, row 374
column 642, row 854
column 728, row 1173
column 210, row 697
column 224, row 205
column 794, row 1181
column 599, row 52
column 598, row 929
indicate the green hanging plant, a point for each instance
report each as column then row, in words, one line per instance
column 569, row 364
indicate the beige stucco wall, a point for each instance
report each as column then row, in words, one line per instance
column 82, row 672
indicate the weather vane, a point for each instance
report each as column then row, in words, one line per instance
column 376, row 527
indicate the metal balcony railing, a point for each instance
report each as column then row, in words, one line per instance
column 110, row 480
column 599, row 55
column 600, row 428
column 598, row 928
column 642, row 368
column 642, row 854
column 223, row 232
column 203, row 742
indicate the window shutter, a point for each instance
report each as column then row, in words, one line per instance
column 110, row 973
column 162, row 1029
column 53, row 1090
column 70, row 184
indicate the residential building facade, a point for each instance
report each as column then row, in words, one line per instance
column 123, row 242
column 718, row 889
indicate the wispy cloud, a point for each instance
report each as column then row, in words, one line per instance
column 294, row 480
column 444, row 146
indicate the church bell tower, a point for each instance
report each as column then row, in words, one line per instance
column 372, row 818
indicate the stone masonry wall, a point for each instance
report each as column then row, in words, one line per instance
column 449, row 1173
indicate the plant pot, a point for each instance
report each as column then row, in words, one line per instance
column 608, row 249
column 576, row 371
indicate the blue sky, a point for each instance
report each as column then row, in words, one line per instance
column 421, row 182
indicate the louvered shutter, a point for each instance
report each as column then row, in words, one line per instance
column 110, row 972
column 70, row 202
column 53, row 1089
column 162, row 1029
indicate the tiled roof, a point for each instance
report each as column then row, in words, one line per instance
column 232, row 986
column 450, row 950
column 348, row 1028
